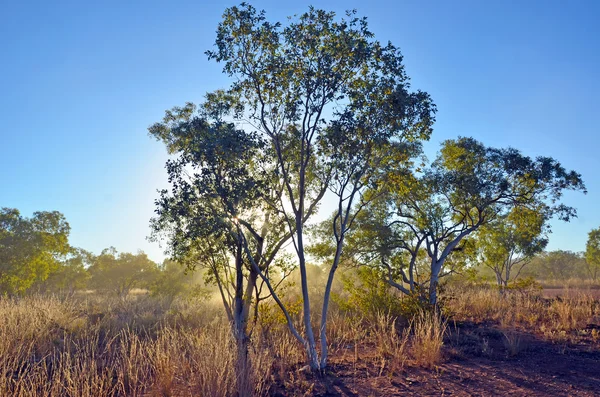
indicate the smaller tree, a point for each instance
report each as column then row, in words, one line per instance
column 70, row 275
column 592, row 253
column 508, row 244
column 173, row 280
column 30, row 248
column 219, row 213
column 466, row 188
column 120, row 273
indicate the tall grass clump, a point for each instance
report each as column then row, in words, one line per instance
column 428, row 329
column 391, row 344
column 571, row 312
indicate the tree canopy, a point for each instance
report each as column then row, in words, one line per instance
column 511, row 241
column 118, row 273
column 468, row 186
column 322, row 104
column 30, row 248
column 592, row 252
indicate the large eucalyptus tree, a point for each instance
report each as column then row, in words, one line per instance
column 326, row 105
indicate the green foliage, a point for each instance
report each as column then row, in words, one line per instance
column 467, row 187
column 30, row 248
column 271, row 315
column 525, row 284
column 483, row 182
column 366, row 294
column 327, row 105
column 463, row 257
column 120, row 273
column 511, row 241
column 592, row 253
column 557, row 265
column 174, row 280
column 70, row 275
column 226, row 181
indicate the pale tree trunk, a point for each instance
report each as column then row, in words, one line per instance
column 239, row 327
column 437, row 262
column 336, row 261
column 434, row 281
column 310, row 344
column 502, row 276
column 241, row 314
column 498, row 273
column 343, row 216
column 433, row 284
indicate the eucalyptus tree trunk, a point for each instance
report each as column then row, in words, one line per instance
column 241, row 314
column 323, row 329
column 434, row 280
column 310, row 344
column 498, row 278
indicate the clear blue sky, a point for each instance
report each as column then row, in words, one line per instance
column 81, row 81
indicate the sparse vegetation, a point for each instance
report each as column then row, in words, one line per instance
column 423, row 270
column 91, row 345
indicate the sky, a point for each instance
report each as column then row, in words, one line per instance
column 80, row 82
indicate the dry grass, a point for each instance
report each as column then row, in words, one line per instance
column 50, row 348
column 513, row 342
column 428, row 329
column 345, row 332
column 576, row 284
column 391, row 344
column 94, row 346
column 556, row 318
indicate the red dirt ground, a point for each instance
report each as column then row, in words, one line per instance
column 476, row 364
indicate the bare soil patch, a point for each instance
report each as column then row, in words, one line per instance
column 477, row 363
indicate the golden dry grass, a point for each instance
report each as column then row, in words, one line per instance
column 50, row 347
column 555, row 318
column 428, row 329
column 91, row 346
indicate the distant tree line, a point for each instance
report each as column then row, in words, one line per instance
column 36, row 257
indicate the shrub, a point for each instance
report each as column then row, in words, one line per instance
column 365, row 294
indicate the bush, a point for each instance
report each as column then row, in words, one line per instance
column 365, row 294
column 527, row 284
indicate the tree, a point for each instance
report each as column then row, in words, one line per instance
column 70, row 275
column 331, row 103
column 223, row 185
column 173, row 280
column 557, row 265
column 30, row 248
column 119, row 273
column 511, row 241
column 592, row 253
column 387, row 127
column 468, row 186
